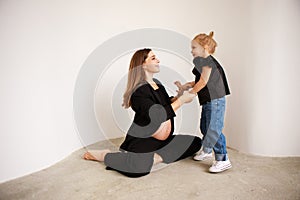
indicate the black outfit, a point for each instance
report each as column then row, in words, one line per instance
column 152, row 107
column 217, row 85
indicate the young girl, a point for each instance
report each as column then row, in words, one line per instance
column 211, row 86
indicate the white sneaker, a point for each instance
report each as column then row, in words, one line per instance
column 220, row 166
column 202, row 156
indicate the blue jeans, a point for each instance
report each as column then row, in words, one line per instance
column 211, row 125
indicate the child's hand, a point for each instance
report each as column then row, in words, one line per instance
column 182, row 88
column 187, row 86
column 178, row 84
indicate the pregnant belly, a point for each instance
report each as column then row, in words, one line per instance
column 163, row 131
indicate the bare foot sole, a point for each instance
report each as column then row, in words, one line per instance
column 96, row 155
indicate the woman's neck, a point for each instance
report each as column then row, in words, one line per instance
column 149, row 79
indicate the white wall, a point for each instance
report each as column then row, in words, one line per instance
column 262, row 112
column 44, row 44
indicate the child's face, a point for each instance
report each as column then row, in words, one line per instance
column 197, row 49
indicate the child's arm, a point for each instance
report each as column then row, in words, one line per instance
column 185, row 86
column 203, row 80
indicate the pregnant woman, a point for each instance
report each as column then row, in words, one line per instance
column 150, row 139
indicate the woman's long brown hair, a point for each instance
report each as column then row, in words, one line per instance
column 136, row 74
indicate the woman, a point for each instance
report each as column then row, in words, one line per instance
column 150, row 138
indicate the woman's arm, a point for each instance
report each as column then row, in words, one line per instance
column 203, row 80
column 159, row 115
column 186, row 97
column 164, row 130
column 158, row 125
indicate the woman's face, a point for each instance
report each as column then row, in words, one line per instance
column 198, row 50
column 151, row 64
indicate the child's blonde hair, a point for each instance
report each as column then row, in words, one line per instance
column 206, row 41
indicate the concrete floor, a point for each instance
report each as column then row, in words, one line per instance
column 251, row 177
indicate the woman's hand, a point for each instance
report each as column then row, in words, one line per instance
column 186, row 97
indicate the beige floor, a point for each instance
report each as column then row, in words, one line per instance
column 251, row 177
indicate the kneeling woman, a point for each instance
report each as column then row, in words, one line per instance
column 150, row 138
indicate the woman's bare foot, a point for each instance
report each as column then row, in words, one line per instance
column 96, row 155
column 157, row 159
